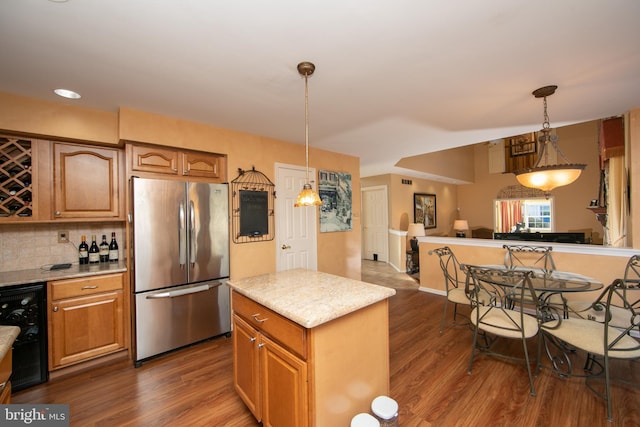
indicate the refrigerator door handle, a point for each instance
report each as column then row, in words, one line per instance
column 192, row 234
column 180, row 292
column 182, row 237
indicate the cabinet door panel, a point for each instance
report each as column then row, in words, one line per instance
column 154, row 159
column 203, row 165
column 246, row 365
column 284, row 385
column 85, row 327
column 86, row 182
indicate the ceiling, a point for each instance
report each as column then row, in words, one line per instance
column 393, row 78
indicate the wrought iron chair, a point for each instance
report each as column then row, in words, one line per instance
column 495, row 318
column 454, row 282
column 611, row 339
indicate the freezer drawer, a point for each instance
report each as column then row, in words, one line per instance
column 170, row 318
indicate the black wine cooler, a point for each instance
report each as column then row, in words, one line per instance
column 25, row 306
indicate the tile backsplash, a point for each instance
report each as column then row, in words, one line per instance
column 27, row 246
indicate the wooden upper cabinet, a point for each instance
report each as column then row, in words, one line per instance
column 87, row 182
column 171, row 161
column 153, row 159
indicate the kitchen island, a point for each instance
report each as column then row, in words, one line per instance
column 310, row 348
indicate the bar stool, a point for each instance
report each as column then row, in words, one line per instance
column 386, row 411
column 364, row 420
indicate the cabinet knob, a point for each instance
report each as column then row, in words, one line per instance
column 57, row 213
column 261, row 345
column 55, row 308
column 252, row 339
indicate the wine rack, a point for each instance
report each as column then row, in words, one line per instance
column 16, row 191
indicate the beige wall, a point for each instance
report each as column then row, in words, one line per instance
column 338, row 253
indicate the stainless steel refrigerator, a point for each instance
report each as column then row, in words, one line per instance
column 180, row 264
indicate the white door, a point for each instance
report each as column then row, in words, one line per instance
column 375, row 223
column 296, row 245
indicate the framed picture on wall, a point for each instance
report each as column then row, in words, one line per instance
column 424, row 209
column 522, row 144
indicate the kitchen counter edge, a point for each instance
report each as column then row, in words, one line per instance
column 37, row 275
column 310, row 298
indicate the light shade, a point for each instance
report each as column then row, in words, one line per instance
column 416, row 230
column 460, row 225
column 546, row 178
column 307, row 197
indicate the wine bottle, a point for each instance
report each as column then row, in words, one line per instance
column 113, row 248
column 83, row 251
column 104, row 249
column 94, row 252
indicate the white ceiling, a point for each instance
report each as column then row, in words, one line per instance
column 394, row 78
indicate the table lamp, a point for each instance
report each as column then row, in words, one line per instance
column 460, row 225
column 415, row 230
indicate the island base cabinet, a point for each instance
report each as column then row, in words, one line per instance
column 319, row 377
column 270, row 380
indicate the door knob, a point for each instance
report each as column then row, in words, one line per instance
column 284, row 247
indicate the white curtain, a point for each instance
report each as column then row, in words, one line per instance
column 616, row 234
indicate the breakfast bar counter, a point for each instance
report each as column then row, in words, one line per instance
column 310, row 348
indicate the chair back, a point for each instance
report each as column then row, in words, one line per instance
column 510, row 292
column 450, row 266
column 622, row 302
column 632, row 270
column 528, row 256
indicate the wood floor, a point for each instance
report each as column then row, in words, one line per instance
column 193, row 386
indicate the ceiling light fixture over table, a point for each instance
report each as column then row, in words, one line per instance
column 307, row 196
column 542, row 175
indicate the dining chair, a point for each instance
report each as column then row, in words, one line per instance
column 529, row 256
column 497, row 317
column 611, row 339
column 454, row 284
column 596, row 310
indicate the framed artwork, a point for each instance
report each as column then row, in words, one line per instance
column 523, row 144
column 424, row 209
column 334, row 189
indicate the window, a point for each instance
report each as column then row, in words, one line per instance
column 524, row 215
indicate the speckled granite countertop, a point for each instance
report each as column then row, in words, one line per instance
column 8, row 335
column 310, row 298
column 24, row 277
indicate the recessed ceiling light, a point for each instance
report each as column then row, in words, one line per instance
column 66, row 93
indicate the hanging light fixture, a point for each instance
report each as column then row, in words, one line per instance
column 542, row 175
column 307, row 196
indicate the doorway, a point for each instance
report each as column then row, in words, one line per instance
column 296, row 243
column 375, row 223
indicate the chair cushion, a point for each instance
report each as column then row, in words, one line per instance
column 589, row 336
column 458, row 296
column 496, row 320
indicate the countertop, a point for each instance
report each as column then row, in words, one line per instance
column 24, row 277
column 8, row 335
column 310, row 298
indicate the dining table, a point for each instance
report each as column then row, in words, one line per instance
column 548, row 284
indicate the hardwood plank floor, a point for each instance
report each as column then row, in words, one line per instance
column 193, row 386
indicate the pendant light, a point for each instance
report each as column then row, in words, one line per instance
column 542, row 175
column 307, row 196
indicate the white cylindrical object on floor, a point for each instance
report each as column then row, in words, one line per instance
column 386, row 410
column 364, row 420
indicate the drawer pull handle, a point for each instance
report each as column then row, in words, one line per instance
column 89, row 287
column 255, row 317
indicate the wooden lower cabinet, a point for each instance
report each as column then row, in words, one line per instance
column 290, row 376
column 5, row 373
column 86, row 319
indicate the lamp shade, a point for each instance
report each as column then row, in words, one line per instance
column 546, row 178
column 461, row 225
column 416, row 230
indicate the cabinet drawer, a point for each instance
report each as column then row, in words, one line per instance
column 275, row 326
column 5, row 366
column 82, row 286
